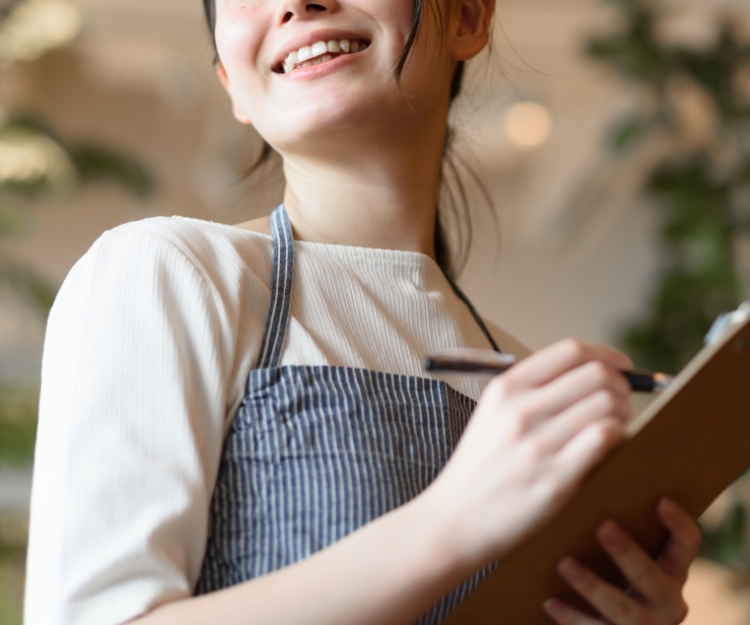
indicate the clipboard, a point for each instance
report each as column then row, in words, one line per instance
column 690, row 444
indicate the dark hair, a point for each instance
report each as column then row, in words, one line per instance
column 443, row 254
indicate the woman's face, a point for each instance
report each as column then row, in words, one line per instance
column 303, row 73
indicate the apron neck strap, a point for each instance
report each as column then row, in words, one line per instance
column 281, row 289
column 474, row 313
column 281, row 293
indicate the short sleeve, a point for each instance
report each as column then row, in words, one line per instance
column 132, row 414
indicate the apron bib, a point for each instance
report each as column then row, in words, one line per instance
column 315, row 452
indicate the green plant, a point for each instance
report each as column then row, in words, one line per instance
column 18, row 410
column 694, row 107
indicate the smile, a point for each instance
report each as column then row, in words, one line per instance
column 319, row 52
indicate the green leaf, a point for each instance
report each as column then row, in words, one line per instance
column 726, row 544
column 14, row 219
column 32, row 189
column 628, row 6
column 9, row 615
column 625, row 133
column 634, row 52
column 91, row 162
column 16, row 443
column 29, row 285
column 96, row 163
column 18, row 418
column 30, row 123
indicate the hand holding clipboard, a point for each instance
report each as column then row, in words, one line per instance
column 690, row 444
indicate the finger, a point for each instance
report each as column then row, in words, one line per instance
column 611, row 602
column 645, row 576
column 556, row 432
column 586, row 449
column 551, row 362
column 574, row 386
column 684, row 539
column 563, row 614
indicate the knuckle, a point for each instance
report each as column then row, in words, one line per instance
column 623, row 608
column 608, row 402
column 537, row 451
column 532, row 451
column 600, row 372
column 644, row 578
column 498, row 389
column 682, row 611
column 524, row 417
column 575, row 348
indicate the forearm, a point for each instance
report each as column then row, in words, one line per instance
column 389, row 572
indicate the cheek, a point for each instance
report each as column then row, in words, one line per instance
column 239, row 36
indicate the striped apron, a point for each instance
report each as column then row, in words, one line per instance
column 315, row 452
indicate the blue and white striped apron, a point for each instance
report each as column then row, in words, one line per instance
column 316, row 452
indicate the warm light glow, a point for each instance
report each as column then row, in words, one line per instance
column 26, row 158
column 528, row 124
column 36, row 26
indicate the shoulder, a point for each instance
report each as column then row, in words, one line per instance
column 206, row 244
column 177, row 250
column 507, row 342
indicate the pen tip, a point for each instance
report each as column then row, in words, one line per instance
column 662, row 380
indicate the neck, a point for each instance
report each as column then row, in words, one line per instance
column 369, row 193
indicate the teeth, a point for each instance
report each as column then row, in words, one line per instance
column 317, row 53
column 319, row 48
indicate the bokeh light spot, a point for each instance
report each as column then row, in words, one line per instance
column 528, row 124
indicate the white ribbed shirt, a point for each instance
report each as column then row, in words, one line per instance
column 148, row 349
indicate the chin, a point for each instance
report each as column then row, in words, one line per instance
column 337, row 118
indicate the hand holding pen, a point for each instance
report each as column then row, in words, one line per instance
column 485, row 362
column 537, row 431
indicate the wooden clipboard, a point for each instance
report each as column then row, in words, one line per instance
column 690, row 444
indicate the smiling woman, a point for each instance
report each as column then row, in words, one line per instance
column 235, row 425
column 450, row 258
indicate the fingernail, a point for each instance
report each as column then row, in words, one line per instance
column 553, row 607
column 668, row 507
column 570, row 569
column 610, row 533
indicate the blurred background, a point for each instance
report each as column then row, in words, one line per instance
column 613, row 139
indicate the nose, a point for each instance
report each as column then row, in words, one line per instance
column 290, row 10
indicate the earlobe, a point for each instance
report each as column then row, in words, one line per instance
column 472, row 31
column 239, row 114
column 221, row 72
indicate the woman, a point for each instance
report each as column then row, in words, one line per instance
column 329, row 484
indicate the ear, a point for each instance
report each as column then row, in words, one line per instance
column 239, row 114
column 471, row 21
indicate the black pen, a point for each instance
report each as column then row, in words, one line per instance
column 487, row 362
